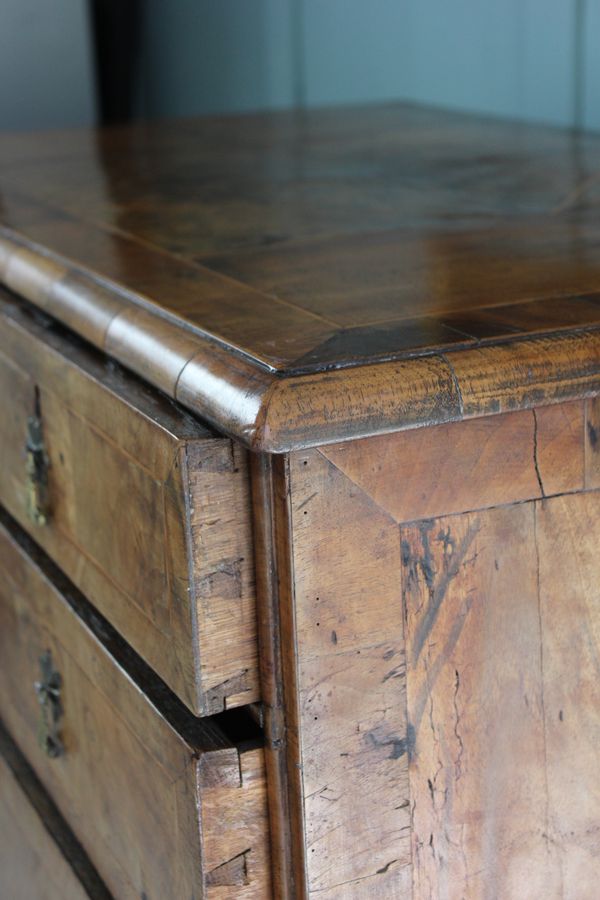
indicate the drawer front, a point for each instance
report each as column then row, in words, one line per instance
column 163, row 803
column 145, row 510
column 31, row 863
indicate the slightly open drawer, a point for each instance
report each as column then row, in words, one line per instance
column 164, row 804
column 144, row 509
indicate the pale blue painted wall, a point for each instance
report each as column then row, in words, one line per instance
column 46, row 68
column 591, row 66
column 506, row 57
column 211, row 56
column 534, row 59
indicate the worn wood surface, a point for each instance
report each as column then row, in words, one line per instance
column 149, row 512
column 427, row 604
column 568, row 532
column 31, row 863
column 502, row 623
column 146, row 787
column 351, row 681
column 274, row 271
column 274, row 591
column 451, row 468
column 474, row 695
column 338, row 721
column 429, row 657
column 592, row 443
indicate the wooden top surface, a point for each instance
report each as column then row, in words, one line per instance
column 280, row 273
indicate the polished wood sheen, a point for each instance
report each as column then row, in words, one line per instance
column 164, row 804
column 148, row 511
column 307, row 407
column 303, row 278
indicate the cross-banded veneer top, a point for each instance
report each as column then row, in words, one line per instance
column 299, row 278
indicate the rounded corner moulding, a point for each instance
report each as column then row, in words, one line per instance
column 276, row 412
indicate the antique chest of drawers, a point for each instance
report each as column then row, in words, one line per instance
column 300, row 510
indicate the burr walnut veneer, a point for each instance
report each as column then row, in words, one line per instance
column 300, row 471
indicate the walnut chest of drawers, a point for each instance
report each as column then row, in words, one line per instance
column 300, row 510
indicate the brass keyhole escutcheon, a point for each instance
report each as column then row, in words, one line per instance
column 48, row 690
column 37, row 472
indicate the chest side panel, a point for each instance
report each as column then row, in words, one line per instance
column 435, row 609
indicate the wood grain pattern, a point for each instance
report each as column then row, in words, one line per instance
column 502, row 629
column 568, row 532
column 232, row 789
column 560, row 447
column 31, row 864
column 271, row 413
column 146, row 787
column 428, row 592
column 483, row 462
column 274, row 594
column 478, row 819
column 150, row 511
column 246, row 266
column 341, row 629
column 404, row 305
column 510, row 376
column 592, row 443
